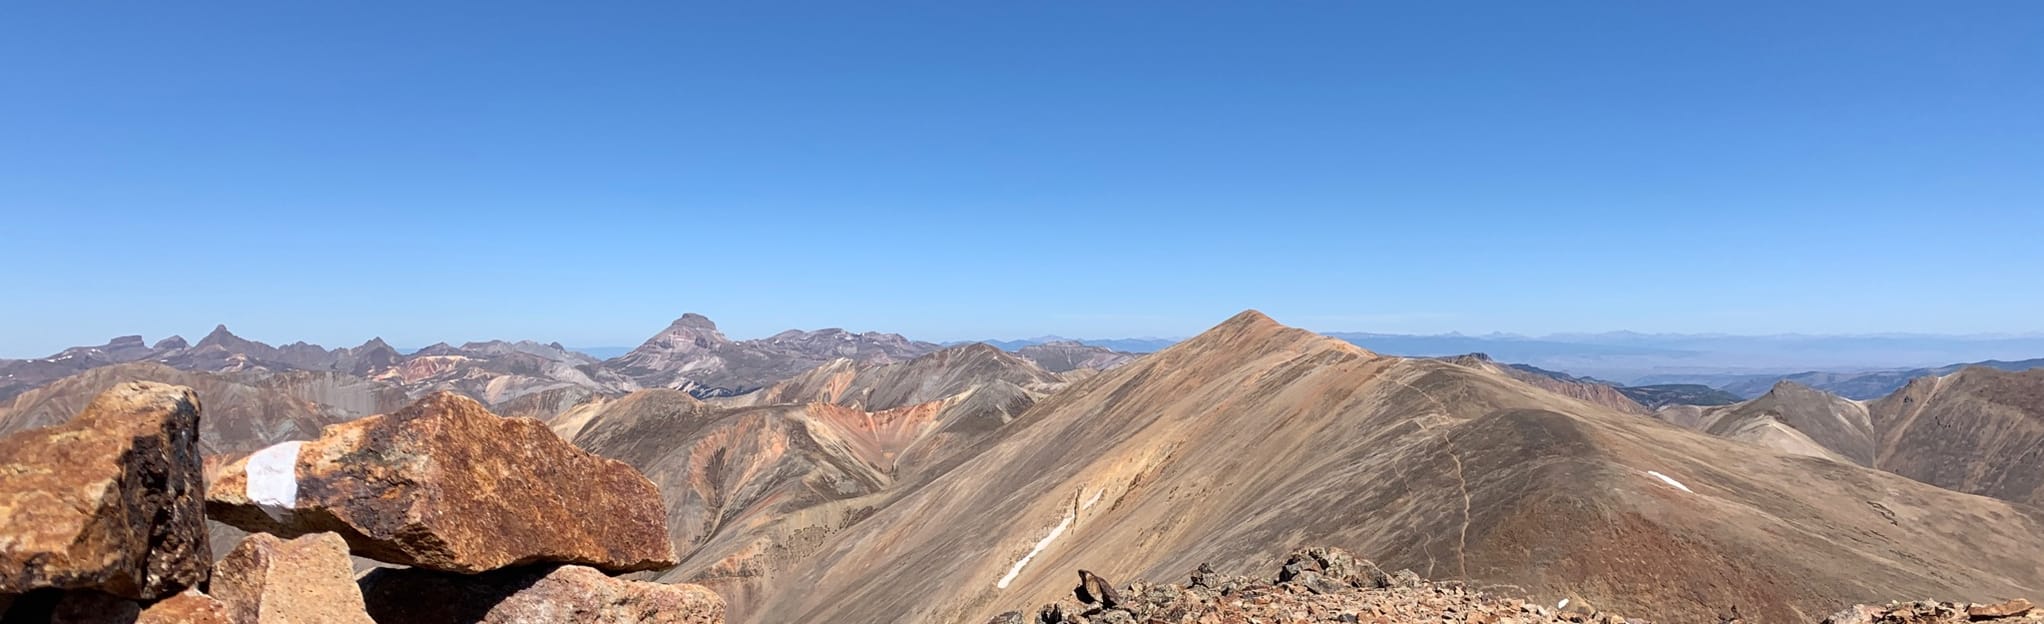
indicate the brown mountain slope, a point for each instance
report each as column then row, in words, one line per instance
column 1558, row 383
column 1792, row 418
column 1060, row 356
column 753, row 483
column 1253, row 438
column 1979, row 430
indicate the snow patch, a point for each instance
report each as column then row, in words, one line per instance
column 1095, row 499
column 273, row 479
column 1561, row 605
column 1040, row 545
column 1670, row 481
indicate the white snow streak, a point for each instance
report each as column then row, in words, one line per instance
column 1095, row 499
column 1045, row 543
column 1670, row 481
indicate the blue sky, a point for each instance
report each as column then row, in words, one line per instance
column 960, row 170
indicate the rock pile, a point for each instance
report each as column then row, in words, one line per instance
column 1925, row 612
column 501, row 521
column 1315, row 585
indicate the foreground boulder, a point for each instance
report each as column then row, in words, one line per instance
column 534, row 595
column 112, row 501
column 307, row 580
column 446, row 485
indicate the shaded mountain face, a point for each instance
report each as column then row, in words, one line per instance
column 692, row 356
column 754, row 483
column 1251, row 439
column 1656, row 396
column 1068, row 355
column 17, row 376
column 242, row 411
column 1978, row 430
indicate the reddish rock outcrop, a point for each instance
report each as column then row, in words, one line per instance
column 2018, row 611
column 446, row 485
column 534, row 595
column 307, row 580
column 190, row 607
column 112, row 500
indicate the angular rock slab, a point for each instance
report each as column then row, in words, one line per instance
column 308, row 580
column 112, row 501
column 190, row 607
column 534, row 595
column 446, row 485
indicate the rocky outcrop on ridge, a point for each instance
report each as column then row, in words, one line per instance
column 446, row 485
column 1314, row 585
column 2017, row 611
column 112, row 501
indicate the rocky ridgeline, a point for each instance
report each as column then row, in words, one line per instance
column 2010, row 612
column 1331, row 585
column 1314, row 585
column 498, row 520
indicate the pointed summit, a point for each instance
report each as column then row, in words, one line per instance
column 220, row 337
column 1250, row 318
column 1252, row 332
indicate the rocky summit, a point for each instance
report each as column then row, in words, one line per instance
column 446, row 485
column 1314, row 585
column 111, row 501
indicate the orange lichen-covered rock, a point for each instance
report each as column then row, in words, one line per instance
column 446, row 485
column 111, row 501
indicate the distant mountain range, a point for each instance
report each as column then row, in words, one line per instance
column 1857, row 385
column 690, row 355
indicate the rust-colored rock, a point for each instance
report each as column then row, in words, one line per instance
column 308, row 580
column 446, row 485
column 112, row 500
column 534, row 595
column 1999, row 610
column 190, row 607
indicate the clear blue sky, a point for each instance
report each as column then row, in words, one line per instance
column 952, row 170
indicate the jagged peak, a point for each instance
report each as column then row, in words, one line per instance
column 220, row 337
column 376, row 343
